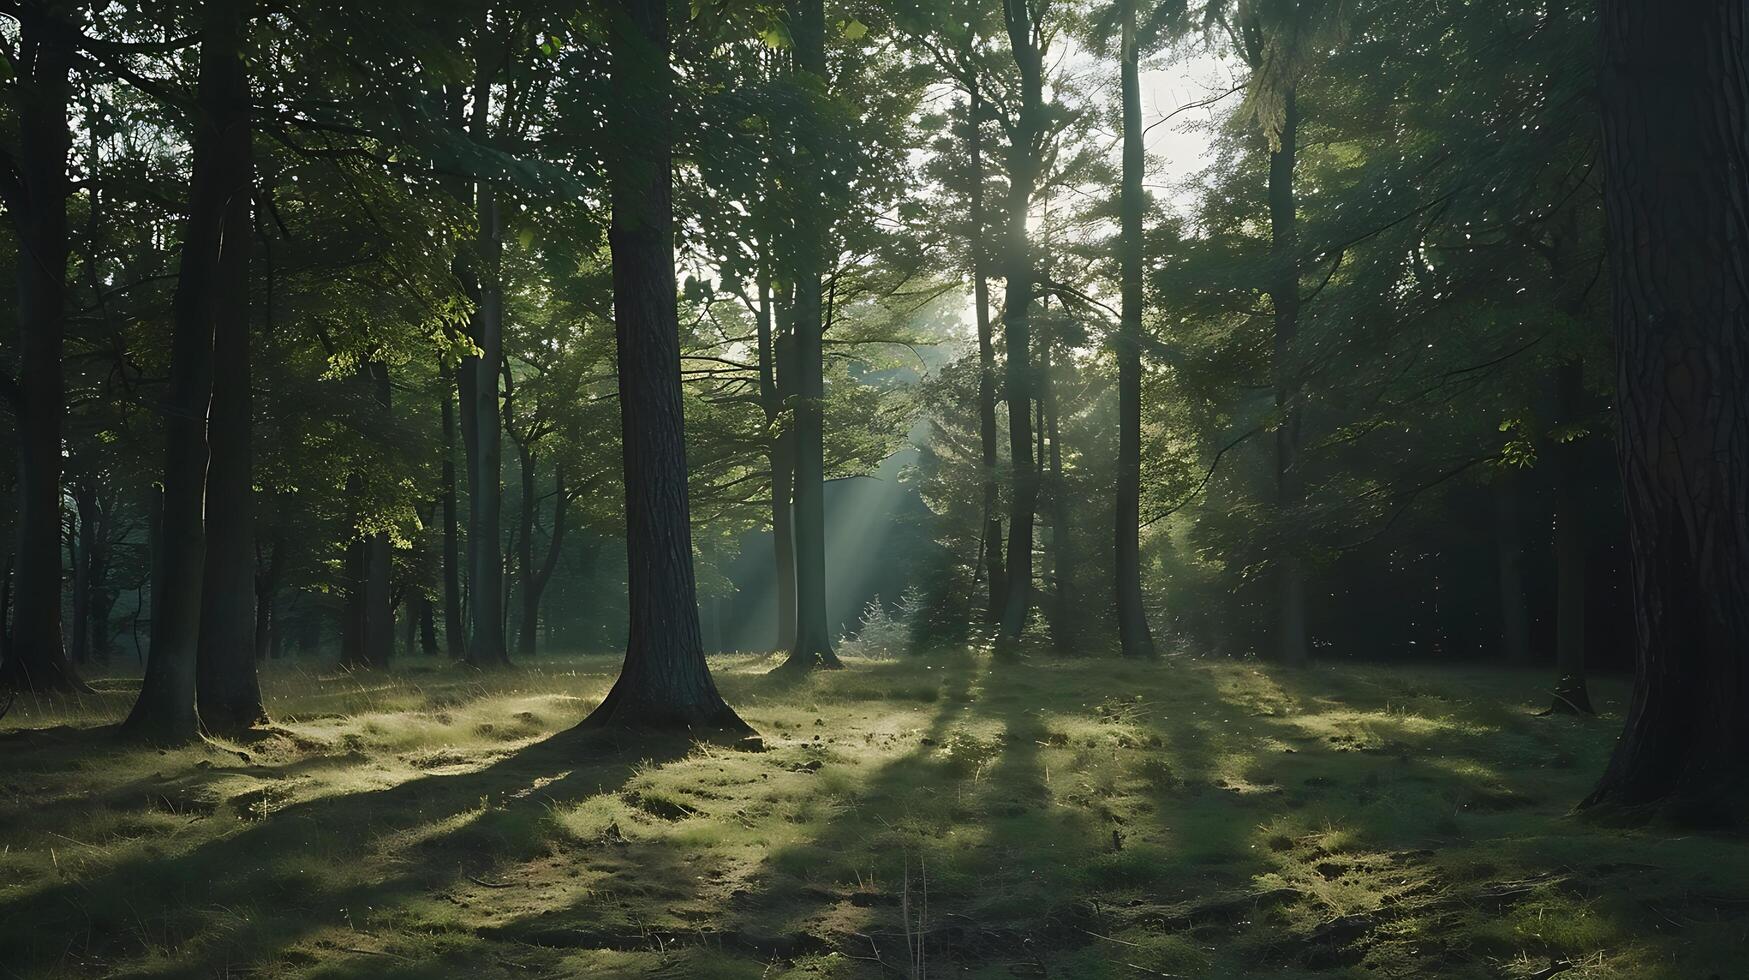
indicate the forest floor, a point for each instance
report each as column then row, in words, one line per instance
column 1070, row 819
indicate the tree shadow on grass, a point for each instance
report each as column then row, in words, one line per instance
column 318, row 864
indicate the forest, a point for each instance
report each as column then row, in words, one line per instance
column 849, row 489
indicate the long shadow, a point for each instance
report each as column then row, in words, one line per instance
column 765, row 921
column 260, row 875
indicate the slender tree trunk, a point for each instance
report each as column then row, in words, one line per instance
column 1134, row 636
column 83, row 557
column 1023, row 167
column 36, row 658
column 486, row 583
column 1293, row 644
column 454, row 632
column 379, row 605
column 813, row 641
column 1571, row 695
column 165, row 711
column 1509, row 553
column 665, row 682
column 427, row 626
column 525, row 634
column 775, row 370
column 996, row 578
column 1066, row 625
column 229, row 693
column 1675, row 92
column 266, row 594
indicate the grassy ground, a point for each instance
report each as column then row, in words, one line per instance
column 1084, row 819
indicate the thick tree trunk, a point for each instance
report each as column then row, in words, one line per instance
column 1675, row 90
column 1134, row 636
column 996, row 577
column 36, row 658
column 229, row 694
column 1023, row 167
column 1509, row 556
column 1293, row 644
column 813, row 642
column 454, row 633
column 665, row 682
column 165, row 711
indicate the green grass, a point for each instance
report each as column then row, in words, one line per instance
column 1084, row 819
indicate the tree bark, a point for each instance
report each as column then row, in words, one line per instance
column 36, row 656
column 229, row 693
column 486, row 647
column 84, row 558
column 665, row 682
column 1134, row 637
column 813, row 642
column 775, row 371
column 1293, row 644
column 1571, row 695
column 165, row 711
column 454, row 632
column 1023, row 172
column 1066, row 625
column 1509, row 556
column 995, row 575
column 1675, row 93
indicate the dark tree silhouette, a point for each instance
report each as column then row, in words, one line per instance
column 665, row 682
column 1134, row 636
column 1675, row 89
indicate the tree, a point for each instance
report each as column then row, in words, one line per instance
column 166, row 711
column 1026, row 135
column 1676, row 144
column 35, row 190
column 665, row 682
column 1134, row 637
column 811, row 164
column 228, row 691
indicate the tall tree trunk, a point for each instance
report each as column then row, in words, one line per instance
column 454, row 633
column 229, row 693
column 525, row 633
column 486, row 583
column 379, row 603
column 1023, row 173
column 1676, row 141
column 813, row 642
column 1293, row 644
column 1509, row 554
column 1134, row 637
column 427, row 625
column 267, row 578
column 1571, row 696
column 165, row 711
column 36, row 658
column 83, row 556
column 665, row 682
column 775, row 370
column 996, row 578
column 536, row 578
column 1066, row 621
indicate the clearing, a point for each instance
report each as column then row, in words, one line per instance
column 1076, row 819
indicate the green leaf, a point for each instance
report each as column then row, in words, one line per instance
column 853, row 29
